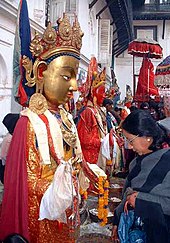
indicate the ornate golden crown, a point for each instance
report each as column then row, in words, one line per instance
column 64, row 37
column 99, row 79
column 63, row 40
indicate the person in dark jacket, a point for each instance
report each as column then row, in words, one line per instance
column 147, row 187
column 110, row 115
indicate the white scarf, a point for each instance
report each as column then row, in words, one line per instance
column 42, row 136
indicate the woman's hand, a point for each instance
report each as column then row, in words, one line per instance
column 114, row 235
column 130, row 200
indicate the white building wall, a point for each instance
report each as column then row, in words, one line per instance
column 6, row 51
column 90, row 27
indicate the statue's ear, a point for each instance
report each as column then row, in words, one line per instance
column 40, row 82
column 41, row 68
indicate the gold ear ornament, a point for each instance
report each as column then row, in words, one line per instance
column 38, row 104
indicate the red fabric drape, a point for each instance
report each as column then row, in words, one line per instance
column 146, row 86
column 14, row 215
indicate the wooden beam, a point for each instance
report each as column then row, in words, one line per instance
column 120, row 52
column 119, row 49
column 115, row 52
column 163, row 31
column 115, row 40
column 116, row 20
column 92, row 3
column 122, row 36
column 47, row 6
column 120, row 43
column 103, row 9
column 117, row 29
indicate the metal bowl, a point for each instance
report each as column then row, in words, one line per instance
column 113, row 203
column 115, row 190
column 94, row 218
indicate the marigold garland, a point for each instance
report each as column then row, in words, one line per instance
column 109, row 162
column 83, row 194
column 103, row 200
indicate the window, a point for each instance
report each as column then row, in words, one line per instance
column 58, row 7
column 104, row 41
column 146, row 32
column 111, row 45
column 71, row 6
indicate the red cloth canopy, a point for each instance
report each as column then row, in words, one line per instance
column 145, row 47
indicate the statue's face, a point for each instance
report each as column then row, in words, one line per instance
column 100, row 94
column 60, row 79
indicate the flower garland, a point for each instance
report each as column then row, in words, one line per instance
column 103, row 200
column 83, row 194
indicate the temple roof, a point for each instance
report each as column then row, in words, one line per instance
column 150, row 11
column 121, row 11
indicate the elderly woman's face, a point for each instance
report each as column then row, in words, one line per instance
column 138, row 144
column 60, row 79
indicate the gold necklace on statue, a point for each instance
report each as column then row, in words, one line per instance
column 68, row 128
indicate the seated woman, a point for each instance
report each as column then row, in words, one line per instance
column 147, row 187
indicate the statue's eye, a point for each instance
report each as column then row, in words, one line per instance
column 67, row 78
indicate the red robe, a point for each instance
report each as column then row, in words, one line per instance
column 89, row 135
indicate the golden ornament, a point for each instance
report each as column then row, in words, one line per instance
column 38, row 103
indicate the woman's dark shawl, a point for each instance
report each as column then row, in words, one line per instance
column 153, row 184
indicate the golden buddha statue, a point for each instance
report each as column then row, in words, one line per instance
column 46, row 138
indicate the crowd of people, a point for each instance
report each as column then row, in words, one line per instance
column 53, row 159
